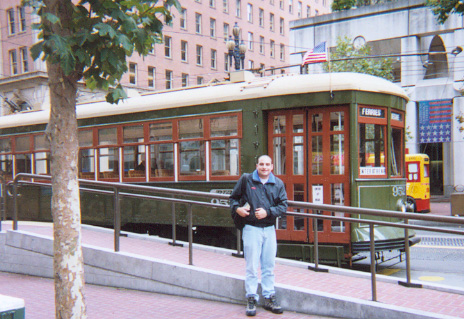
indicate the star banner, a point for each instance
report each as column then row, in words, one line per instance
column 435, row 119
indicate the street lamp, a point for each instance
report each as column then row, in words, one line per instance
column 236, row 48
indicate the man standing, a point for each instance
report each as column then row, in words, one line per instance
column 259, row 198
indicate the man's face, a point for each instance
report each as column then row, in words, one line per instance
column 264, row 167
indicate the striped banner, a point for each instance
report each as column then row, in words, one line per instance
column 435, row 119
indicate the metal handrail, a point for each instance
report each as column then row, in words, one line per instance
column 117, row 187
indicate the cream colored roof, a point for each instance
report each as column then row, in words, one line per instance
column 222, row 92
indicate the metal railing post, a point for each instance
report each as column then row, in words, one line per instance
column 117, row 219
column 3, row 204
column 190, row 233
column 372, row 251
column 316, row 250
column 407, row 251
column 15, row 203
column 239, row 245
column 174, row 230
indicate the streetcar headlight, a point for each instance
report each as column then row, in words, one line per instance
column 401, row 205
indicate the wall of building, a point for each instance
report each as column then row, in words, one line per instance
column 412, row 24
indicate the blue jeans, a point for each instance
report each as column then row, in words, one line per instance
column 259, row 247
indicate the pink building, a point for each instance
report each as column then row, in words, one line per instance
column 194, row 49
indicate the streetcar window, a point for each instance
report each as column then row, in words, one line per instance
column 161, row 131
column 87, row 163
column 132, row 134
column 298, row 195
column 298, row 123
column 162, row 160
column 279, row 155
column 22, row 144
column 279, row 125
column 107, row 136
column 108, row 159
column 224, row 126
column 316, row 123
column 191, row 128
column 5, row 145
column 134, row 161
column 317, row 157
column 23, row 163
column 6, row 160
column 192, row 158
column 337, row 150
column 413, row 171
column 396, row 152
column 426, row 170
column 41, row 143
column 372, row 149
column 337, row 120
column 298, row 155
column 337, row 195
column 224, row 157
column 85, row 138
column 42, row 163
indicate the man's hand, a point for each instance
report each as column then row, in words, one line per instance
column 260, row 213
column 242, row 211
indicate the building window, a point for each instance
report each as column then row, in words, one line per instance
column 24, row 59
column 272, row 49
column 13, row 63
column 238, row 9
column 212, row 3
column 198, row 23
column 226, row 31
column 212, row 28
column 262, row 67
column 290, row 6
column 200, row 80
column 213, row 59
column 226, row 62
column 282, row 26
column 281, row 4
column 225, row 6
column 250, row 12
column 261, row 17
column 151, row 77
column 282, row 52
column 185, row 80
column 300, row 10
column 168, row 79
column 11, row 21
column 261, row 45
column 132, row 73
column 250, row 41
column 251, row 64
column 199, row 55
column 167, row 46
column 22, row 19
column 183, row 51
column 308, row 11
column 183, row 19
column 271, row 21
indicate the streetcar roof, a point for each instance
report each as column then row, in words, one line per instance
column 221, row 92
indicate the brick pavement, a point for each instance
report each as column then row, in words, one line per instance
column 125, row 302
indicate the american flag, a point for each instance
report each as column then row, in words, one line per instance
column 318, row 54
column 435, row 119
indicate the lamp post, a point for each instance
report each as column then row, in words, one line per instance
column 236, row 49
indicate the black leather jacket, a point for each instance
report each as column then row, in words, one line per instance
column 270, row 196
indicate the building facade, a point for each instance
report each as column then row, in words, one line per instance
column 193, row 52
column 428, row 64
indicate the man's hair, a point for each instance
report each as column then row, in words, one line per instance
column 261, row 156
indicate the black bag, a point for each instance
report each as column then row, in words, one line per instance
column 239, row 221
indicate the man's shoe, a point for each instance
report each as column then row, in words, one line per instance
column 271, row 304
column 251, row 307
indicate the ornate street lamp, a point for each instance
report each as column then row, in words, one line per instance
column 237, row 49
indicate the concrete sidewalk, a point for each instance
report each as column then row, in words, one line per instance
column 338, row 293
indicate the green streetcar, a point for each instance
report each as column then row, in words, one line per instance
column 335, row 139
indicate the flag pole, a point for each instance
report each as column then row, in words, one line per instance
column 330, row 71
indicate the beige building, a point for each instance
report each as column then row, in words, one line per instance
column 194, row 50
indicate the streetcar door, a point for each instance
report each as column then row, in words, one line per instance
column 310, row 150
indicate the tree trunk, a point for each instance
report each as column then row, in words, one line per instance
column 68, row 263
column 68, row 259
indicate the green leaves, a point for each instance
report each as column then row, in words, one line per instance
column 382, row 67
column 93, row 38
column 443, row 8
